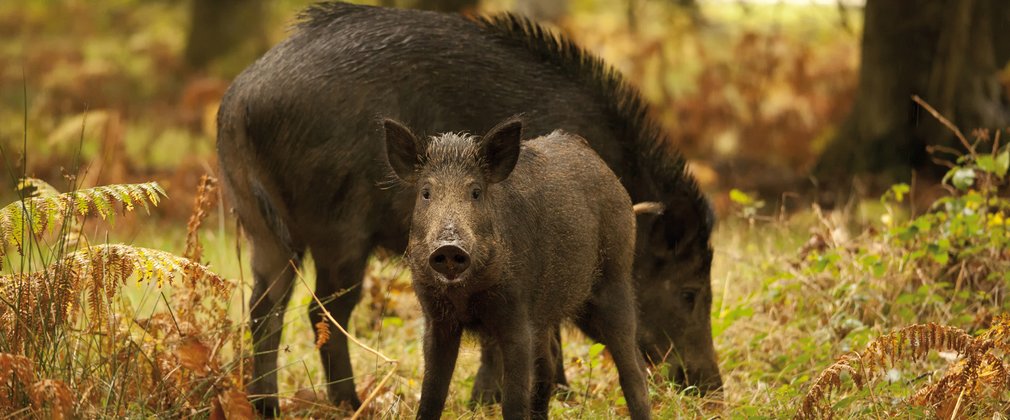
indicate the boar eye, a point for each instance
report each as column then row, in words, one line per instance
column 689, row 296
column 426, row 194
column 475, row 193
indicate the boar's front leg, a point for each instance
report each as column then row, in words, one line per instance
column 441, row 347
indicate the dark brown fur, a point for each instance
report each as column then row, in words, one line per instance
column 301, row 153
column 552, row 240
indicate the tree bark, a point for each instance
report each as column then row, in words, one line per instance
column 220, row 27
column 944, row 51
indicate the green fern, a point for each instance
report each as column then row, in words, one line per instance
column 96, row 271
column 118, row 262
column 47, row 208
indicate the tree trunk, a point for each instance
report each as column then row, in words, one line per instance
column 944, row 51
column 221, row 27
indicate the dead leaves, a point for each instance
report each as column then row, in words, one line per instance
column 979, row 373
column 18, row 386
column 322, row 333
column 232, row 405
column 194, row 355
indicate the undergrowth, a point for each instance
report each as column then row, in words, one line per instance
column 910, row 304
column 914, row 305
column 71, row 347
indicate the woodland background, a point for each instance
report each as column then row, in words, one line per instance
column 852, row 151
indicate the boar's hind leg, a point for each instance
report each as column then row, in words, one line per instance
column 546, row 347
column 559, row 364
column 338, row 286
column 610, row 316
column 273, row 270
column 487, row 383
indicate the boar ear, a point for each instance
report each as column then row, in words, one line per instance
column 500, row 148
column 401, row 150
column 684, row 221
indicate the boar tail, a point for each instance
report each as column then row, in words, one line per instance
column 273, row 218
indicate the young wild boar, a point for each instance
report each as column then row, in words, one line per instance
column 508, row 240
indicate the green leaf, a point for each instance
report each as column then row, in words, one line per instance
column 740, row 197
column 844, row 402
column 994, row 164
column 822, row 262
column 962, row 178
column 899, row 191
column 392, row 321
column 938, row 253
column 1002, row 163
column 986, row 163
column 595, row 349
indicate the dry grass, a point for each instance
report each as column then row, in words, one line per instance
column 783, row 305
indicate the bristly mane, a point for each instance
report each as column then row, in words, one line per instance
column 321, row 14
column 628, row 110
column 646, row 143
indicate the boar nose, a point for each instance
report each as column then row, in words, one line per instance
column 449, row 260
column 706, row 380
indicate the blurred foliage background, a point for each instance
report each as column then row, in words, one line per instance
column 127, row 90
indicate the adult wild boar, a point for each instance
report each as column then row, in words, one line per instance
column 300, row 149
column 508, row 240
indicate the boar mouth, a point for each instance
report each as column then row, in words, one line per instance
column 451, row 280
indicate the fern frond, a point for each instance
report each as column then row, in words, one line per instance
column 97, row 271
column 46, row 209
column 54, row 395
column 978, row 371
column 39, row 187
column 16, row 375
column 912, row 342
column 29, row 300
column 117, row 262
column 14, row 366
column 202, row 202
column 999, row 332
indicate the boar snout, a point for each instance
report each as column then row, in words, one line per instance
column 706, row 379
column 449, row 260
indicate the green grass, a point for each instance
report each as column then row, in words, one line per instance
column 743, row 254
column 791, row 293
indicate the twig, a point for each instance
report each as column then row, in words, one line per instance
column 241, row 280
column 995, row 144
column 946, row 122
column 375, row 390
column 869, row 386
column 394, row 362
column 957, row 406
